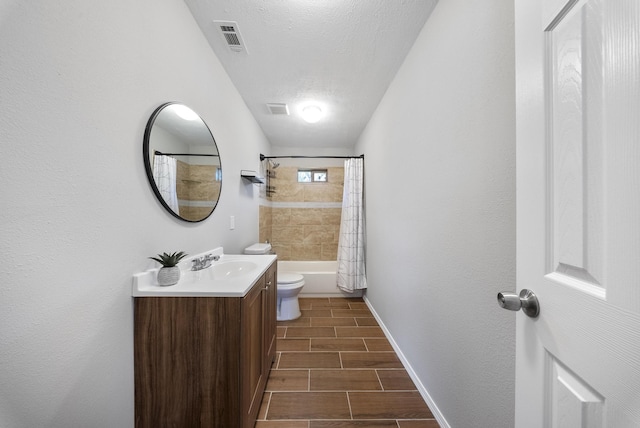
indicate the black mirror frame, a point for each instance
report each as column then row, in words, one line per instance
column 149, row 170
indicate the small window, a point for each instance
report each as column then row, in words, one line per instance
column 320, row 176
column 312, row 176
column 304, row 176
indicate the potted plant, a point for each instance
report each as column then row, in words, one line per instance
column 169, row 273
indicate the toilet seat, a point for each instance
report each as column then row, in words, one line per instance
column 289, row 279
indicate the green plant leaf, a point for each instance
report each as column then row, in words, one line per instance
column 169, row 260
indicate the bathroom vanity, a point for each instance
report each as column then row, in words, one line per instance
column 204, row 347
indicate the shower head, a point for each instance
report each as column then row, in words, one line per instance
column 274, row 165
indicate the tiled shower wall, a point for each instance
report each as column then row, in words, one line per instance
column 196, row 188
column 302, row 220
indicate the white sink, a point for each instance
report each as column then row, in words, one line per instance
column 232, row 275
column 232, row 269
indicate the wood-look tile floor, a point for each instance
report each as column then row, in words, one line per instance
column 334, row 368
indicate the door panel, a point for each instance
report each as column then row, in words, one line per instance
column 573, row 403
column 576, row 143
column 578, row 163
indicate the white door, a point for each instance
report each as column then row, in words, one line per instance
column 578, row 212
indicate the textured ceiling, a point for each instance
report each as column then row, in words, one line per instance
column 339, row 54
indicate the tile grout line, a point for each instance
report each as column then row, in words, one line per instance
column 266, row 411
column 349, row 403
column 379, row 381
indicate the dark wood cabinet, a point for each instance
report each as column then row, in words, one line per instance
column 204, row 361
column 271, row 302
column 252, row 370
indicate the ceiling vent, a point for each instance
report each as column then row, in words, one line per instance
column 278, row 108
column 231, row 35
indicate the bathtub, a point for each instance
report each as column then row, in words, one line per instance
column 319, row 278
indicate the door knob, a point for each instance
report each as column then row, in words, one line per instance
column 527, row 300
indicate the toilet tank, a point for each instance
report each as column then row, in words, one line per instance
column 258, row 248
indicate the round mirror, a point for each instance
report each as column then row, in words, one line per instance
column 182, row 162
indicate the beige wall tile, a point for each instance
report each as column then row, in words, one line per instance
column 265, row 222
column 306, row 252
column 331, row 216
column 266, row 216
column 322, row 192
column 287, row 234
column 286, row 174
column 318, row 235
column 336, row 175
column 182, row 173
column 281, row 216
column 318, row 239
column 329, row 252
column 286, row 184
column 196, row 182
column 306, row 216
column 336, row 235
column 283, row 251
column 288, row 192
column 194, row 213
column 202, row 185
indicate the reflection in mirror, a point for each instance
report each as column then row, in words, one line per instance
column 182, row 162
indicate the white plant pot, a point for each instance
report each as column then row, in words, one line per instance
column 168, row 275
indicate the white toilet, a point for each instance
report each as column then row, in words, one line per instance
column 288, row 287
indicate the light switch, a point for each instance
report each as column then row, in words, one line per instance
column 232, row 222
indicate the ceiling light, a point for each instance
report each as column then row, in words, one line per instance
column 312, row 113
column 185, row 112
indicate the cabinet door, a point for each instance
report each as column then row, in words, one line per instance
column 187, row 370
column 253, row 370
column 270, row 309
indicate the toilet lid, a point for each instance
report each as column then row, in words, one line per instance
column 289, row 278
column 258, row 248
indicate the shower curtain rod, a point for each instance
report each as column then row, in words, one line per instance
column 182, row 154
column 263, row 157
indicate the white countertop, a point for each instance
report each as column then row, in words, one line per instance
column 205, row 282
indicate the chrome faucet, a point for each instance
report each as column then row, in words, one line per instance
column 211, row 257
column 203, row 262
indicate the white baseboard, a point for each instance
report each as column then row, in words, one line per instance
column 357, row 293
column 421, row 389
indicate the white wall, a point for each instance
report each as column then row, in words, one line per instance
column 78, row 81
column 440, row 207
